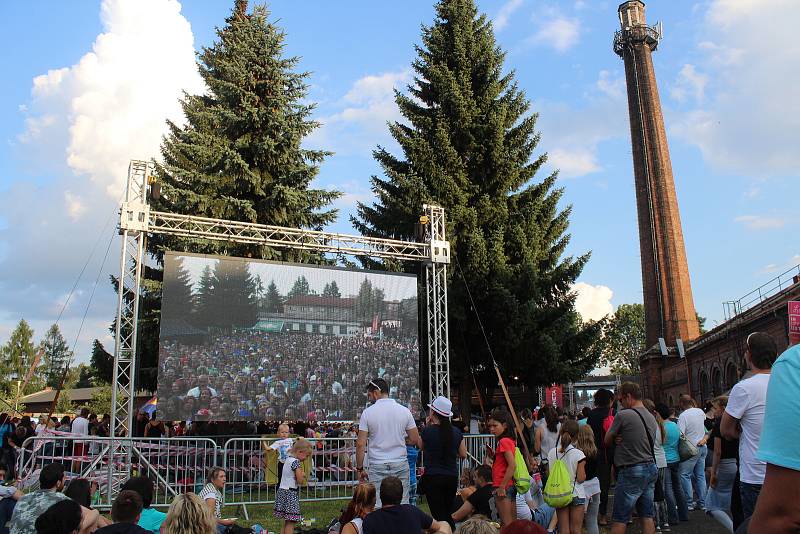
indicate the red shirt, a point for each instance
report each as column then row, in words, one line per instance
column 500, row 464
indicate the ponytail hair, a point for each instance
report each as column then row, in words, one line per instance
column 364, row 497
column 569, row 433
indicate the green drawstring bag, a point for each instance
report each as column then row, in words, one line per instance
column 522, row 479
column 558, row 490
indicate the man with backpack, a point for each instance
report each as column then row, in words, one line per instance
column 633, row 432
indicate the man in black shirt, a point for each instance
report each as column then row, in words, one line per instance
column 605, row 456
column 396, row 518
column 480, row 501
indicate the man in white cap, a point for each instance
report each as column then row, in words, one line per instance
column 387, row 424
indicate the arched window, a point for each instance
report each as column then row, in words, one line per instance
column 705, row 388
column 731, row 375
column 716, row 382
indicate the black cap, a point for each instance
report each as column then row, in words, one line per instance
column 378, row 384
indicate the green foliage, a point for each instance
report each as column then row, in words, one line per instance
column 331, row 290
column 64, row 403
column 468, row 143
column 17, row 357
column 102, row 363
column 232, row 298
column 273, row 302
column 369, row 302
column 178, row 285
column 701, row 322
column 301, row 288
column 84, row 377
column 623, row 340
column 100, row 402
column 56, row 356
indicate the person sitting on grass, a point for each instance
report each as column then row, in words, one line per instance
column 125, row 512
column 478, row 501
column 396, row 518
column 151, row 519
column 212, row 496
column 188, row 514
column 9, row 495
column 362, row 503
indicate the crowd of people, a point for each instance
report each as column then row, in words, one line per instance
column 736, row 461
column 290, row 376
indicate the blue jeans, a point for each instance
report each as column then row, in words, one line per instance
column 749, row 493
column 400, row 469
column 693, row 473
column 719, row 498
column 676, row 499
column 635, row 487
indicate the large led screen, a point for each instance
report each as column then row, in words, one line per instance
column 255, row 340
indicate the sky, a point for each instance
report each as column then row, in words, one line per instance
column 87, row 87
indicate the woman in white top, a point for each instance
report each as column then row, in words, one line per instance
column 211, row 494
column 362, row 503
column 547, row 435
column 570, row 518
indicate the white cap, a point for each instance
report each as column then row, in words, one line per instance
column 442, row 406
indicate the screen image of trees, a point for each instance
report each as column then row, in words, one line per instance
column 256, row 340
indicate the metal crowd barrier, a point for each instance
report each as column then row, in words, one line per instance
column 181, row 464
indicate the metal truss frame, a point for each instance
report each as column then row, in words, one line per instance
column 137, row 220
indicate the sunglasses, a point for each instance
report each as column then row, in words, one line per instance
column 373, row 384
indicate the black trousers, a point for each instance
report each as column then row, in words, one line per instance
column 439, row 491
column 604, row 476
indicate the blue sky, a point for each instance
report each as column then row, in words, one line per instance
column 87, row 86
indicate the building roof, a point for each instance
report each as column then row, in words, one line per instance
column 318, row 300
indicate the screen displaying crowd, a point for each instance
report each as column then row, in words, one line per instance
column 254, row 340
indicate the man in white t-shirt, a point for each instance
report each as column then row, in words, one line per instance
column 744, row 417
column 80, row 426
column 387, row 424
column 691, row 423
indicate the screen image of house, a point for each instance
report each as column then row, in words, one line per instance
column 255, row 340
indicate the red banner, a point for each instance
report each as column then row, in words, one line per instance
column 554, row 395
column 794, row 322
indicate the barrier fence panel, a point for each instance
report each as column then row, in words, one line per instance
column 181, row 464
column 175, row 465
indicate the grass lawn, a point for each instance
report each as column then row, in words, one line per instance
column 319, row 512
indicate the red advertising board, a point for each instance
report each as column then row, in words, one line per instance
column 554, row 395
column 794, row 322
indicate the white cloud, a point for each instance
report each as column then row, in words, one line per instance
column 83, row 124
column 506, row 10
column 759, row 222
column 690, row 83
column 750, row 117
column 593, row 302
column 574, row 162
column 359, row 119
column 560, row 33
column 116, row 98
column 610, row 85
column 75, row 207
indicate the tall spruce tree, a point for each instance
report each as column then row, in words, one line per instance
column 301, row 288
column 16, row 358
column 239, row 154
column 273, row 300
column 233, row 299
column 178, row 286
column 56, row 356
column 331, row 290
column 468, row 143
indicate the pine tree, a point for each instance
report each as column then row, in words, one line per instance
column 233, row 300
column 16, row 358
column 300, row 288
column 102, row 363
column 239, row 155
column 56, row 356
column 177, row 285
column 468, row 143
column 331, row 290
column 274, row 301
column 205, row 289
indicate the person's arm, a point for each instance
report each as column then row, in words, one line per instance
column 440, row 527
column 361, row 445
column 580, row 475
column 608, row 439
column 715, row 462
column 537, row 441
column 348, row 528
column 300, row 475
column 212, row 505
column 413, row 437
column 462, row 449
column 729, row 427
column 463, row 512
column 776, row 510
column 512, row 466
column 89, row 519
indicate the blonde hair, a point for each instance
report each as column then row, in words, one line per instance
column 477, row 524
column 301, row 445
column 650, row 406
column 188, row 514
column 721, row 401
column 585, row 441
